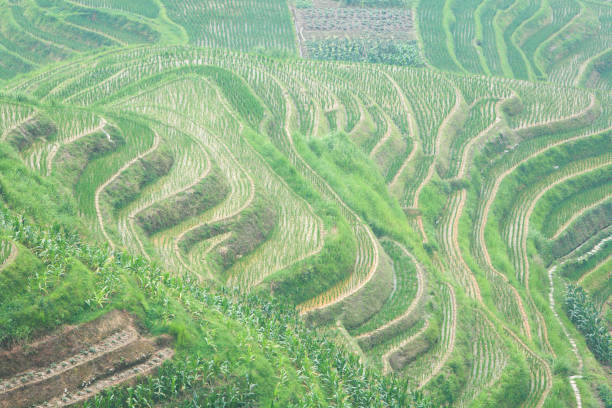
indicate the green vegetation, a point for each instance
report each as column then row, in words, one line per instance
column 354, row 178
column 192, row 215
column 142, row 173
column 252, row 25
column 366, row 50
column 406, row 287
column 585, row 316
column 541, row 40
column 147, row 8
column 204, row 322
column 204, row 195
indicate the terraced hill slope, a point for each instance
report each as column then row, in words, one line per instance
column 427, row 220
column 563, row 41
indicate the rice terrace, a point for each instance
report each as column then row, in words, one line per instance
column 305, row 203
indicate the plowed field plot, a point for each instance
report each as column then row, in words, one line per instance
column 317, row 23
column 328, row 28
column 78, row 362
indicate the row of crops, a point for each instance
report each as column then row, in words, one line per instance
column 241, row 25
column 583, row 313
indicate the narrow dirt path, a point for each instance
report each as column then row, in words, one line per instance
column 156, row 142
column 280, row 180
column 540, row 360
column 474, row 289
column 492, row 195
column 596, row 248
column 172, row 241
column 298, row 157
column 467, row 150
column 244, row 206
column 524, row 228
column 543, row 363
column 585, row 64
column 107, row 345
column 134, row 213
column 358, row 287
column 144, row 369
column 541, row 193
column 410, row 157
column 299, row 31
column 492, row 337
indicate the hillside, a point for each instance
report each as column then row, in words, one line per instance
column 232, row 203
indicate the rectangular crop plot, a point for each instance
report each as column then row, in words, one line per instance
column 316, row 23
column 356, row 31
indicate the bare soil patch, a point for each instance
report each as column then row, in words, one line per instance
column 354, row 22
column 328, row 20
column 77, row 362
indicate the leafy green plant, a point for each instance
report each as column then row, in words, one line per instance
column 378, row 51
column 582, row 312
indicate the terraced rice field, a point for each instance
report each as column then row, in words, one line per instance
column 529, row 40
column 238, row 24
column 430, row 217
column 211, row 134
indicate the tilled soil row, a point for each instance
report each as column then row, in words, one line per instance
column 61, row 345
column 87, row 359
